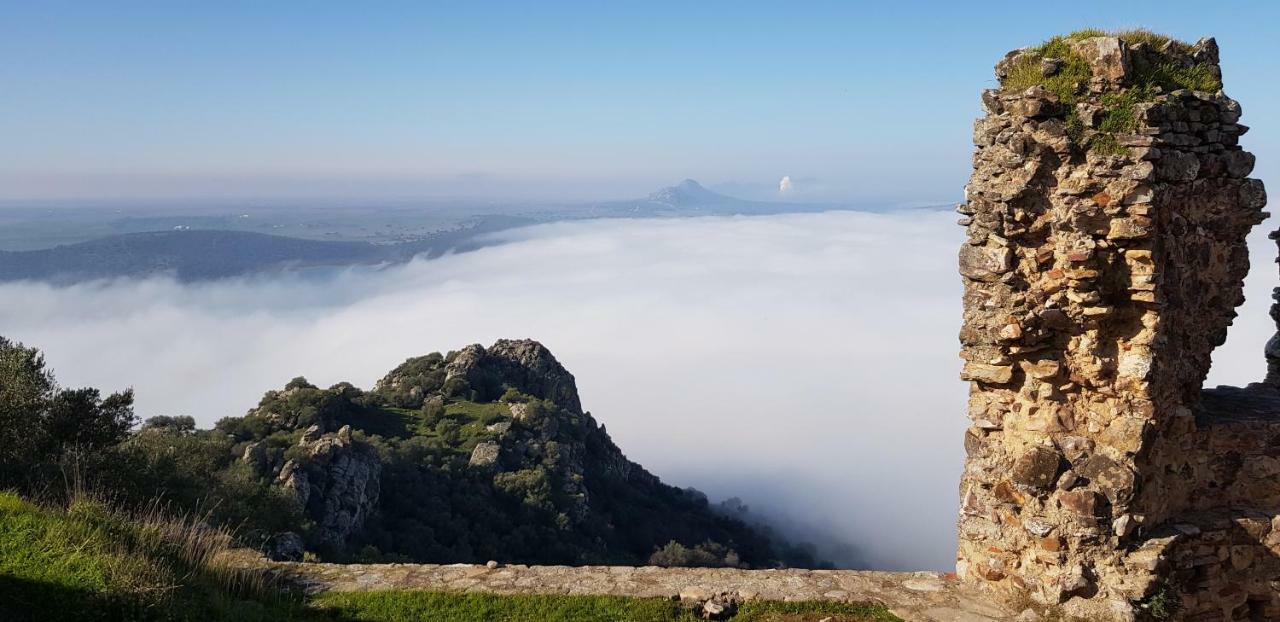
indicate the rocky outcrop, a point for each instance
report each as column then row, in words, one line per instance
column 524, row 365
column 337, row 482
column 472, row 443
column 1105, row 255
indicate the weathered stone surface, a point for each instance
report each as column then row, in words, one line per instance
column 485, row 454
column 523, row 364
column 1108, row 57
column 913, row 596
column 982, row 372
column 285, row 547
column 337, row 484
column 255, row 455
column 984, row 263
column 1096, row 287
column 1037, row 469
column 1080, row 503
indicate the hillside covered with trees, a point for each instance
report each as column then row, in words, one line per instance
column 475, row 455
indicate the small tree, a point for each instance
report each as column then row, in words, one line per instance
column 25, row 388
column 182, row 425
column 39, row 421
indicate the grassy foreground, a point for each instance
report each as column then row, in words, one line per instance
column 439, row 607
column 89, row 562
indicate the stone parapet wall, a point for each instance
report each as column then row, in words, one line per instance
column 1104, row 259
column 912, row 596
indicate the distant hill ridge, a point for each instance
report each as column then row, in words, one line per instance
column 198, row 254
column 201, row 254
column 690, row 193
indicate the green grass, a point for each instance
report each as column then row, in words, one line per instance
column 1132, row 36
column 839, row 612
column 483, row 412
column 1065, row 83
column 451, row 607
column 1119, row 114
column 91, row 562
column 469, row 418
column 1171, row 77
column 387, row 422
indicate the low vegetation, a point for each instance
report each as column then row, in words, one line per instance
column 558, row 491
column 91, row 561
column 1152, row 74
column 413, row 606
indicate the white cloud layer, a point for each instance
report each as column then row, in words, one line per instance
column 805, row 363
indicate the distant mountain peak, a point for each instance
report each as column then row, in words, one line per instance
column 687, row 193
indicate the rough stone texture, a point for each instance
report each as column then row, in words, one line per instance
column 285, row 546
column 337, row 483
column 912, row 596
column 523, row 364
column 485, row 454
column 1096, row 287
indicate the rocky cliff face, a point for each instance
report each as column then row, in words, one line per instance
column 336, row 480
column 523, row 365
column 484, row 453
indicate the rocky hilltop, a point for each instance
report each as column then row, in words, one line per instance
column 483, row 453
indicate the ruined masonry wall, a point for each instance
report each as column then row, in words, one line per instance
column 1096, row 287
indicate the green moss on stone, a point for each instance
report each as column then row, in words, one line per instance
column 1119, row 108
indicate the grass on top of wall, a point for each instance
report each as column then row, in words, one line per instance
column 1148, row 79
column 406, row 606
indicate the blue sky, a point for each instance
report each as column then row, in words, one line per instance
column 865, row 102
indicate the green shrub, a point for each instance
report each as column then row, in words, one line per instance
column 39, row 421
column 1119, row 115
column 707, row 555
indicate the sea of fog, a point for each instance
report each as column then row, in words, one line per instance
column 805, row 363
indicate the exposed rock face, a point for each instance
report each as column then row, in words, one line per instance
column 337, row 482
column 1097, row 283
column 523, row 364
column 484, row 453
column 286, row 547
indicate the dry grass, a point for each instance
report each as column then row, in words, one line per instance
column 91, row 555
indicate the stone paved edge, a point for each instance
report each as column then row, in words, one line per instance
column 912, row 596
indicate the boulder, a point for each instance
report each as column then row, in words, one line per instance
column 485, row 454
column 255, row 455
column 1108, row 57
column 285, row 546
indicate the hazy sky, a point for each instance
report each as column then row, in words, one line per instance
column 807, row 363
column 868, row 101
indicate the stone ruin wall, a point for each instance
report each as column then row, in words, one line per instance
column 1097, row 283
